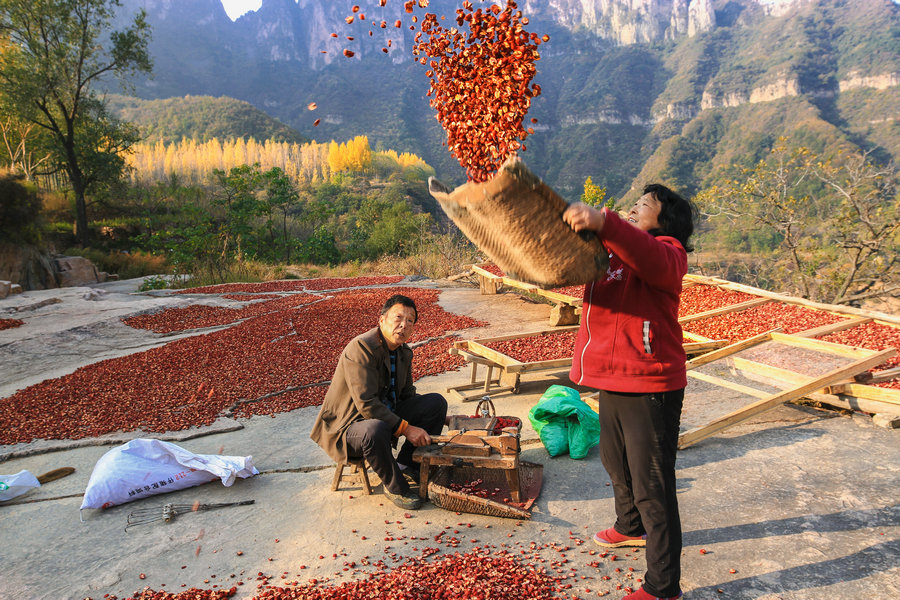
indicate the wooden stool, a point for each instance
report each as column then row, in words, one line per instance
column 359, row 466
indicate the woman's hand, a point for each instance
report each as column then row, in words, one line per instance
column 580, row 217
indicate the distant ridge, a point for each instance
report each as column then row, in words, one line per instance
column 691, row 107
column 202, row 118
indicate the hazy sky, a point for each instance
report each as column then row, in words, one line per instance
column 236, row 8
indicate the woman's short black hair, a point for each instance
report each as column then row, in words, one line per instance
column 403, row 301
column 676, row 215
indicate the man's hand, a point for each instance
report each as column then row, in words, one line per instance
column 580, row 216
column 417, row 436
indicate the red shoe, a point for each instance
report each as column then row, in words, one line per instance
column 640, row 594
column 610, row 538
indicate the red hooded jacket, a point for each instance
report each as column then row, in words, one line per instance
column 630, row 339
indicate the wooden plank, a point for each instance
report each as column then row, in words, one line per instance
column 845, row 388
column 696, row 337
column 794, row 378
column 723, row 310
column 777, row 373
column 484, row 272
column 833, row 327
column 744, row 389
column 499, row 358
column 527, row 287
column 695, row 435
column 866, row 392
column 473, row 358
column 515, row 283
column 516, row 336
column 885, row 375
column 820, row 346
column 557, row 297
column 729, row 350
column 703, row 347
column 858, row 404
column 545, row 364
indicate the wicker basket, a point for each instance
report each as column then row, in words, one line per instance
column 515, row 218
column 530, row 479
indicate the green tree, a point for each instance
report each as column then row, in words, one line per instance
column 23, row 148
column 594, row 195
column 238, row 191
column 282, row 195
column 865, row 227
column 836, row 221
column 53, row 53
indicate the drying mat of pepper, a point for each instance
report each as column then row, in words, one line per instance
column 531, row 478
column 515, row 218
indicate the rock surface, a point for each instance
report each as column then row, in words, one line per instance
column 27, row 266
column 32, row 268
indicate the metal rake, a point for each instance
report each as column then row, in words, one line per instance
column 167, row 512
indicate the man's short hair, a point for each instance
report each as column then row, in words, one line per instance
column 403, row 301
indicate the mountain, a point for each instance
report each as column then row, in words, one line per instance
column 633, row 90
column 201, row 118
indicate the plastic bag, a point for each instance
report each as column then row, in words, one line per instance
column 565, row 423
column 16, row 485
column 143, row 468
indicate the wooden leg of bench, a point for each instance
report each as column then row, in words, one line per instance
column 336, row 482
column 365, row 478
column 424, row 469
column 512, row 479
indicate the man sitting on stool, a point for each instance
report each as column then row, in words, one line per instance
column 372, row 401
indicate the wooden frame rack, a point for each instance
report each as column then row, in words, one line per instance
column 856, row 393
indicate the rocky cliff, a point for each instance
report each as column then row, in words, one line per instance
column 617, row 74
column 629, row 21
column 300, row 30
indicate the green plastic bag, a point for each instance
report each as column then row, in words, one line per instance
column 565, row 423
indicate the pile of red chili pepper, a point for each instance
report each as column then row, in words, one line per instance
column 279, row 357
column 10, row 323
column 504, row 422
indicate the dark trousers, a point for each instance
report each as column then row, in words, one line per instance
column 373, row 440
column 638, row 442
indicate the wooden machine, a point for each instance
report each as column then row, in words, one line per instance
column 486, row 442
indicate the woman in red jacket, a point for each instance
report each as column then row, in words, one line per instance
column 629, row 347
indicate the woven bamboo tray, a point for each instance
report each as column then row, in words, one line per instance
column 516, row 219
column 531, row 477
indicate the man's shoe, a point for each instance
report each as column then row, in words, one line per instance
column 407, row 501
column 640, row 594
column 610, row 538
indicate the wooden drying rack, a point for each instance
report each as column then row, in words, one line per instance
column 855, row 393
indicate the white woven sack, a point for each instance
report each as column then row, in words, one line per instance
column 16, row 485
column 145, row 467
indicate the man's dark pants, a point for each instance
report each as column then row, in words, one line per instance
column 373, row 439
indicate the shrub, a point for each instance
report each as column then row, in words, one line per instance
column 126, row 265
column 20, row 208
